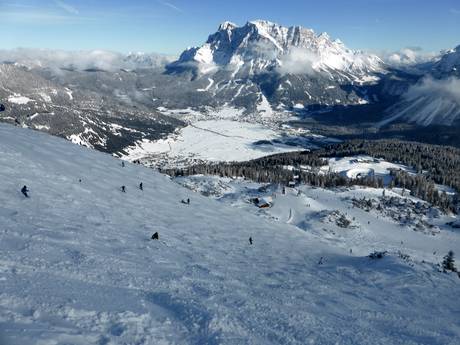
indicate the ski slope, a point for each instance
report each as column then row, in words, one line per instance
column 315, row 210
column 77, row 265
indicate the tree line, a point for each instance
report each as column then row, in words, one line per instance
column 431, row 164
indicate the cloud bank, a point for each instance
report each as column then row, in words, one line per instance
column 448, row 89
column 407, row 56
column 298, row 61
column 82, row 60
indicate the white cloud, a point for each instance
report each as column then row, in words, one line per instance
column 66, row 7
column 298, row 61
column 407, row 56
column 171, row 5
column 81, row 60
column 448, row 89
column 431, row 101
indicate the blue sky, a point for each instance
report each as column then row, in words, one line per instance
column 169, row 26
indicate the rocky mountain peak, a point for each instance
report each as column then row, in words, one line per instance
column 263, row 46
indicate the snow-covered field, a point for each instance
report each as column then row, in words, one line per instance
column 362, row 166
column 190, row 115
column 216, row 140
column 77, row 265
column 19, row 99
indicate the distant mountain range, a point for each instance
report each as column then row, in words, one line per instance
column 258, row 72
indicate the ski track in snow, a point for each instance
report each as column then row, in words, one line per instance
column 77, row 265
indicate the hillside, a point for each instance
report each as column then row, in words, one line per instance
column 77, row 265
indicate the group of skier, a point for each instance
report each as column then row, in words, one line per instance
column 123, row 188
column 155, row 236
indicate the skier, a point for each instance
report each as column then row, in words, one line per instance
column 188, row 201
column 250, row 240
column 122, row 164
column 141, row 186
column 123, row 189
column 155, row 236
column 24, row 191
column 320, row 262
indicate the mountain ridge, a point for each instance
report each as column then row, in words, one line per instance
column 233, row 45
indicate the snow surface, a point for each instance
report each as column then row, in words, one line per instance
column 303, row 206
column 214, row 140
column 45, row 97
column 77, row 265
column 362, row 166
column 211, row 82
column 190, row 115
column 69, row 93
column 19, row 99
column 264, row 107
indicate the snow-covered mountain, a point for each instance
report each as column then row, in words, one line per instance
column 435, row 98
column 102, row 112
column 77, row 265
column 260, row 45
column 448, row 64
column 266, row 68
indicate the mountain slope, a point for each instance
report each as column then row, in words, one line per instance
column 448, row 64
column 77, row 265
column 97, row 113
column 435, row 98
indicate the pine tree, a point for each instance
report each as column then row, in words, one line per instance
column 448, row 262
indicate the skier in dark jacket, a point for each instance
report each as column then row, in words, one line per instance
column 250, row 240
column 155, row 236
column 141, row 186
column 24, row 191
column 123, row 189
